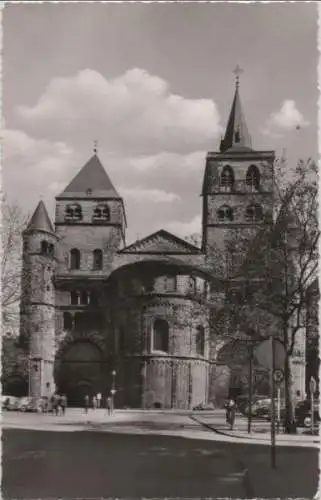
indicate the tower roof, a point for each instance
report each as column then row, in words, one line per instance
column 91, row 180
column 40, row 220
column 237, row 136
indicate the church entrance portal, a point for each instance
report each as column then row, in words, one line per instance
column 80, row 372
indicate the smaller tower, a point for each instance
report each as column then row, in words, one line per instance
column 37, row 323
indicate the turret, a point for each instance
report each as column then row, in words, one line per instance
column 37, row 327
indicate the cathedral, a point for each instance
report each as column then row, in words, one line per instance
column 134, row 321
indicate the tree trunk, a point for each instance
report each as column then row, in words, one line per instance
column 289, row 421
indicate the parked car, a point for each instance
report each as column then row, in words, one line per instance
column 261, row 408
column 303, row 413
column 203, row 406
column 9, row 403
column 32, row 404
column 243, row 406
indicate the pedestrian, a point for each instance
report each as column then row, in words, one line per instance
column 94, row 402
column 109, row 406
column 98, row 400
column 55, row 404
column 230, row 412
column 86, row 403
column 63, row 403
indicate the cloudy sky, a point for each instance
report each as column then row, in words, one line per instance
column 153, row 84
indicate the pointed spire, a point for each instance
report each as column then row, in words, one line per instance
column 91, row 180
column 40, row 220
column 236, row 135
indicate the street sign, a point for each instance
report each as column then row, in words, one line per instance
column 312, row 385
column 278, row 376
column 263, row 354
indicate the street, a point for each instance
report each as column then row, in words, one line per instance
column 43, row 464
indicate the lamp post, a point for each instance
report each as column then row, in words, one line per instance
column 312, row 387
column 113, row 390
column 249, row 421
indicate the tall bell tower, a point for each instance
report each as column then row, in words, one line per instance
column 37, row 324
column 237, row 187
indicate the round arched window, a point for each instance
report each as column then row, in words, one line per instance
column 160, row 335
column 227, row 178
column 253, row 178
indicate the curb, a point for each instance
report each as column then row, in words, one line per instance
column 253, row 438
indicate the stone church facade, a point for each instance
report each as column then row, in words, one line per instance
column 99, row 315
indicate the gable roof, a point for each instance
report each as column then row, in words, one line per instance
column 40, row 220
column 92, row 176
column 162, row 242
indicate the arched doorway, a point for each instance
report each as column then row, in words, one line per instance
column 80, row 372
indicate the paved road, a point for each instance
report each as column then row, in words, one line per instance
column 90, row 464
column 94, row 464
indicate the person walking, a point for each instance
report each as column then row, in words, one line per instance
column 109, row 406
column 63, row 403
column 94, row 402
column 98, row 400
column 55, row 404
column 86, row 403
column 230, row 412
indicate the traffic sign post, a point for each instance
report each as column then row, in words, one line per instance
column 313, row 388
column 278, row 377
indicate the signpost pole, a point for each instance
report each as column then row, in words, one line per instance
column 249, row 420
column 272, row 370
column 278, row 409
column 312, row 387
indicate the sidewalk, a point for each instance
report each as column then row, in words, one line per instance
column 260, row 433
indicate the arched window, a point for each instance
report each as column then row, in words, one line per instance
column 84, row 298
column 207, row 290
column 253, row 178
column 200, row 340
column 74, row 258
column 225, row 213
column 254, row 213
column 170, row 283
column 160, row 335
column 67, row 321
column 73, row 212
column 97, row 259
column 51, row 249
column 227, row 178
column 44, row 247
column 101, row 213
column 191, row 285
column 74, row 298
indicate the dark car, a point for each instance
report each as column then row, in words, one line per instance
column 303, row 413
column 203, row 406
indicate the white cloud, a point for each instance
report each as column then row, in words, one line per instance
column 141, row 195
column 184, row 229
column 34, row 167
column 133, row 114
column 287, row 118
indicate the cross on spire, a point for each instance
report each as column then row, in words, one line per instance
column 237, row 72
column 95, row 146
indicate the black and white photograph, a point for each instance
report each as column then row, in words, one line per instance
column 160, row 247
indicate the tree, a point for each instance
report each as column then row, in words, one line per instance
column 267, row 294
column 14, row 376
column 13, row 223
